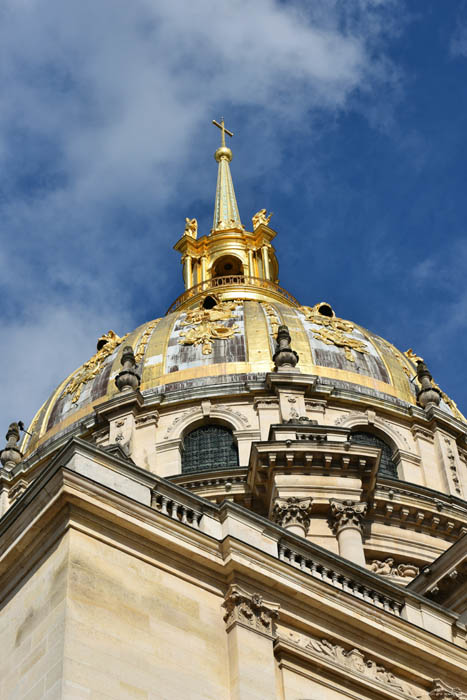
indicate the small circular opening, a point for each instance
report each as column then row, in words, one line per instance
column 326, row 310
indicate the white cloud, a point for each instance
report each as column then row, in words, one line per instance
column 105, row 139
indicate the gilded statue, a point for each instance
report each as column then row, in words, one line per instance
column 191, row 228
column 260, row 219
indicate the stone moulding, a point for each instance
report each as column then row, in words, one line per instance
column 355, row 662
column 250, row 610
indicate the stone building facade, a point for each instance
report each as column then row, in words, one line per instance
column 245, row 499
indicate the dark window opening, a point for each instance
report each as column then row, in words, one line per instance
column 386, row 465
column 209, row 447
column 326, row 310
column 209, row 303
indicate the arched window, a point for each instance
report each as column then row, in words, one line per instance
column 386, row 465
column 209, row 447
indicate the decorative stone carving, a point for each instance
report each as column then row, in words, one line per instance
column 284, row 358
column 355, row 661
column 178, row 419
column 453, row 467
column 249, row 610
column 387, row 568
column 442, row 691
column 206, row 326
column 11, row 455
column 147, row 419
column 292, row 512
column 428, row 394
column 105, row 346
column 17, row 490
column 242, row 419
column 347, row 514
column 128, row 379
column 447, row 400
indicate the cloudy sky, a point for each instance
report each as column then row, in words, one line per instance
column 350, row 124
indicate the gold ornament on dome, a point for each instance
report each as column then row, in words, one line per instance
column 93, row 367
column 336, row 337
column 273, row 316
column 413, row 357
column 191, row 228
column 338, row 324
column 208, row 325
column 144, row 340
column 260, row 219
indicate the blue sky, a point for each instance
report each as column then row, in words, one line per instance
column 350, row 121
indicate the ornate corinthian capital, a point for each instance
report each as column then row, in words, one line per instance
column 249, row 610
column 442, row 691
column 347, row 514
column 292, row 511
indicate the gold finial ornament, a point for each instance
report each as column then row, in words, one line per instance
column 226, row 216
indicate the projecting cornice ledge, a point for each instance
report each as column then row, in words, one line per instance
column 84, row 479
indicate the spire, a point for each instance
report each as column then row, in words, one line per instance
column 226, row 214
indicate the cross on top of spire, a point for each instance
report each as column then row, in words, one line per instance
column 224, row 131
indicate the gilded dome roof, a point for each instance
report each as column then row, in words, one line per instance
column 231, row 344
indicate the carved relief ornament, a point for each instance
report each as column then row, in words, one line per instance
column 442, row 691
column 206, row 326
column 250, row 610
column 347, row 514
column 355, row 661
column 292, row 511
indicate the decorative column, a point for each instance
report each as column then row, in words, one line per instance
column 204, row 273
column 293, row 514
column 188, row 271
column 250, row 628
column 348, row 517
column 265, row 256
column 251, row 264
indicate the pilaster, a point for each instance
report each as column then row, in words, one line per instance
column 250, row 627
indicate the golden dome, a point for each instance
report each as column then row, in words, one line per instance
column 222, row 349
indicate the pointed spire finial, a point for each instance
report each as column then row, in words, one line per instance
column 226, row 214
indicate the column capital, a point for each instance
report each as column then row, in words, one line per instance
column 289, row 512
column 250, row 610
column 347, row 514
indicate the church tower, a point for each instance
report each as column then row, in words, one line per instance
column 247, row 498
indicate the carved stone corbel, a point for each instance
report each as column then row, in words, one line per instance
column 442, row 691
column 293, row 514
column 250, row 610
